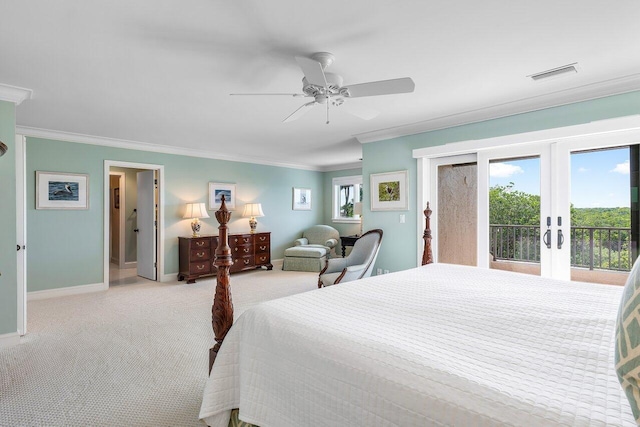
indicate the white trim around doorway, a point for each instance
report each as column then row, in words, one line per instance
column 599, row 134
column 160, row 171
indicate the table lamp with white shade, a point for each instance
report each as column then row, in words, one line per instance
column 195, row 211
column 253, row 210
column 357, row 210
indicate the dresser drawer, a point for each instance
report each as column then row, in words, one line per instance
column 262, row 248
column 241, row 239
column 200, row 254
column 262, row 259
column 201, row 243
column 242, row 250
column 262, row 238
column 200, row 267
column 242, row 263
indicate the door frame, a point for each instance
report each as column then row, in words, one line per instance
column 21, row 231
column 601, row 134
column 121, row 216
column 432, row 194
column 160, row 242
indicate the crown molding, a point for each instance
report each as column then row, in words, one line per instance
column 14, row 94
column 345, row 166
column 145, row 146
column 602, row 89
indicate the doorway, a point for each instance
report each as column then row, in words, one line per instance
column 127, row 256
column 550, row 156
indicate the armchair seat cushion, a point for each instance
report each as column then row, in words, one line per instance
column 329, row 279
column 308, row 251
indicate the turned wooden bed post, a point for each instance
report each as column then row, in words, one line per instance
column 427, row 255
column 222, row 308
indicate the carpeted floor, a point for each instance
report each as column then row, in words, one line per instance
column 135, row 355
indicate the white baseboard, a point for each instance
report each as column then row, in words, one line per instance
column 277, row 263
column 71, row 290
column 131, row 264
column 9, row 340
column 171, row 277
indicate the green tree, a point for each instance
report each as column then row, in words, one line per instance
column 512, row 207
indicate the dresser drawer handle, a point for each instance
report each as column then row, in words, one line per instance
column 263, row 248
column 200, row 267
column 246, row 261
column 200, row 244
column 200, row 254
column 263, row 258
column 245, row 240
column 263, row 238
column 246, row 250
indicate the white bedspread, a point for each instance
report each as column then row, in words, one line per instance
column 436, row 345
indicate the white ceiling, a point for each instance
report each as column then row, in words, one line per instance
column 160, row 72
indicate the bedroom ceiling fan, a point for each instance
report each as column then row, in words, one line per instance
column 327, row 88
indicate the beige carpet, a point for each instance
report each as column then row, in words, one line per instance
column 136, row 354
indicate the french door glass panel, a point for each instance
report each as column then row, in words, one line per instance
column 514, row 214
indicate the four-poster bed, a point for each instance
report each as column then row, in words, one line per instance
column 434, row 345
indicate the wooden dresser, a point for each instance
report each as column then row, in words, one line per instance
column 249, row 251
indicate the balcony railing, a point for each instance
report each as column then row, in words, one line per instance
column 605, row 248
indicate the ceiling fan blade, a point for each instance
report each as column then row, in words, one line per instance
column 299, row 112
column 295, row 95
column 384, row 87
column 312, row 71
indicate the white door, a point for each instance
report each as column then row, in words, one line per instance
column 146, row 225
column 525, row 244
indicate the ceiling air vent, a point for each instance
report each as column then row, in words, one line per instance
column 555, row 72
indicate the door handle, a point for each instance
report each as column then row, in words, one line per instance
column 560, row 236
column 18, row 247
column 560, row 239
column 547, row 238
column 136, row 230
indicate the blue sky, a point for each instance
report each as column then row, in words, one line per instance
column 598, row 178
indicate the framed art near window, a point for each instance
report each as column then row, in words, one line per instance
column 390, row 191
column 217, row 190
column 301, row 199
column 59, row 190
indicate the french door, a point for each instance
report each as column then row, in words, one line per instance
column 541, row 176
column 542, row 244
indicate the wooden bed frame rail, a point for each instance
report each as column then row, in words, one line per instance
column 222, row 308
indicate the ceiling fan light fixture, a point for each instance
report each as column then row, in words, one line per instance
column 555, row 72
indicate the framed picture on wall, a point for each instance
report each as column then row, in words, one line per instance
column 390, row 191
column 301, row 199
column 219, row 189
column 59, row 190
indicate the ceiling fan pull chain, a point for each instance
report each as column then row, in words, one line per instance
column 327, row 111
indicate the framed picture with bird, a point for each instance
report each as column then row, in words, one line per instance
column 390, row 191
column 60, row 190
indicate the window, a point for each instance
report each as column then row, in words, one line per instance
column 347, row 191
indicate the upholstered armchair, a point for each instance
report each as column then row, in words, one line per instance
column 357, row 265
column 311, row 251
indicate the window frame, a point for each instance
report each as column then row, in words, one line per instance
column 337, row 182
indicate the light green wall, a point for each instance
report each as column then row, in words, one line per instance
column 399, row 249
column 344, row 229
column 8, row 238
column 66, row 247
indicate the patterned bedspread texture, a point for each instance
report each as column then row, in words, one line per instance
column 438, row 345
